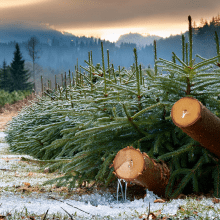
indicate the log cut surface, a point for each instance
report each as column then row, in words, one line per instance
column 186, row 112
column 136, row 167
column 128, row 164
column 193, row 118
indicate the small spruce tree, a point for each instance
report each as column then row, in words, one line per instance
column 19, row 75
column 5, row 82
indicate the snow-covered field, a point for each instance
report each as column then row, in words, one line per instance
column 14, row 174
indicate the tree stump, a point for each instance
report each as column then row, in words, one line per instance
column 198, row 122
column 136, row 167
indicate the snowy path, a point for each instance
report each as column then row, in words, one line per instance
column 13, row 173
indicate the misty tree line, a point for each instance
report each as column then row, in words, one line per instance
column 62, row 56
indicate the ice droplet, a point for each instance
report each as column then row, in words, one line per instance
column 184, row 113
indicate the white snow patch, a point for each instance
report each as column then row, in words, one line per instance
column 2, row 135
column 94, row 204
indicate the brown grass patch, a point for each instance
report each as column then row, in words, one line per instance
column 7, row 112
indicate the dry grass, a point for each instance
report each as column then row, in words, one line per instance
column 5, row 118
column 7, row 112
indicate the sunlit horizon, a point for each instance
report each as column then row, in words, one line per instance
column 113, row 34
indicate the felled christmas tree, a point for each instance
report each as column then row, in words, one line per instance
column 82, row 126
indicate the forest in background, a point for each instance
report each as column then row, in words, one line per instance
column 60, row 55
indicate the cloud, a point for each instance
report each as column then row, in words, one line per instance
column 15, row 3
column 73, row 14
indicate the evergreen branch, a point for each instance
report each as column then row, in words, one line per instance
column 184, row 181
column 184, row 64
column 202, row 58
column 44, row 161
column 201, row 75
column 96, row 129
column 85, row 163
column 168, row 80
column 103, row 68
column 137, row 73
column 181, row 150
column 206, row 62
column 183, row 47
column 204, row 69
column 190, row 41
column 108, row 160
column 199, row 163
column 131, row 76
column 93, row 67
column 216, row 177
column 165, row 68
column 87, row 70
column 130, row 119
column 169, row 63
column 151, row 73
column 123, row 88
column 157, row 144
column 117, row 86
column 87, row 79
column 127, row 82
column 204, row 84
column 168, row 145
column 144, row 110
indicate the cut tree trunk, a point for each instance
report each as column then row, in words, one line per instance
column 198, row 122
column 136, row 167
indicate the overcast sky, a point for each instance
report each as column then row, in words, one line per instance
column 108, row 19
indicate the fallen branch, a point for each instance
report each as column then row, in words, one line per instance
column 70, row 205
column 68, row 213
column 45, row 215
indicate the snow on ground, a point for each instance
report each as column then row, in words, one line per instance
column 2, row 134
column 95, row 204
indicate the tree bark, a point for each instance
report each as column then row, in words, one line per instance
column 136, row 167
column 198, row 122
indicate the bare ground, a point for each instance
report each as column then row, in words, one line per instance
column 7, row 112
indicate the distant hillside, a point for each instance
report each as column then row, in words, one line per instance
column 137, row 39
column 21, row 32
column 60, row 51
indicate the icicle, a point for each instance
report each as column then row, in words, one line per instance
column 125, row 189
column 117, row 190
column 119, row 183
column 121, row 189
